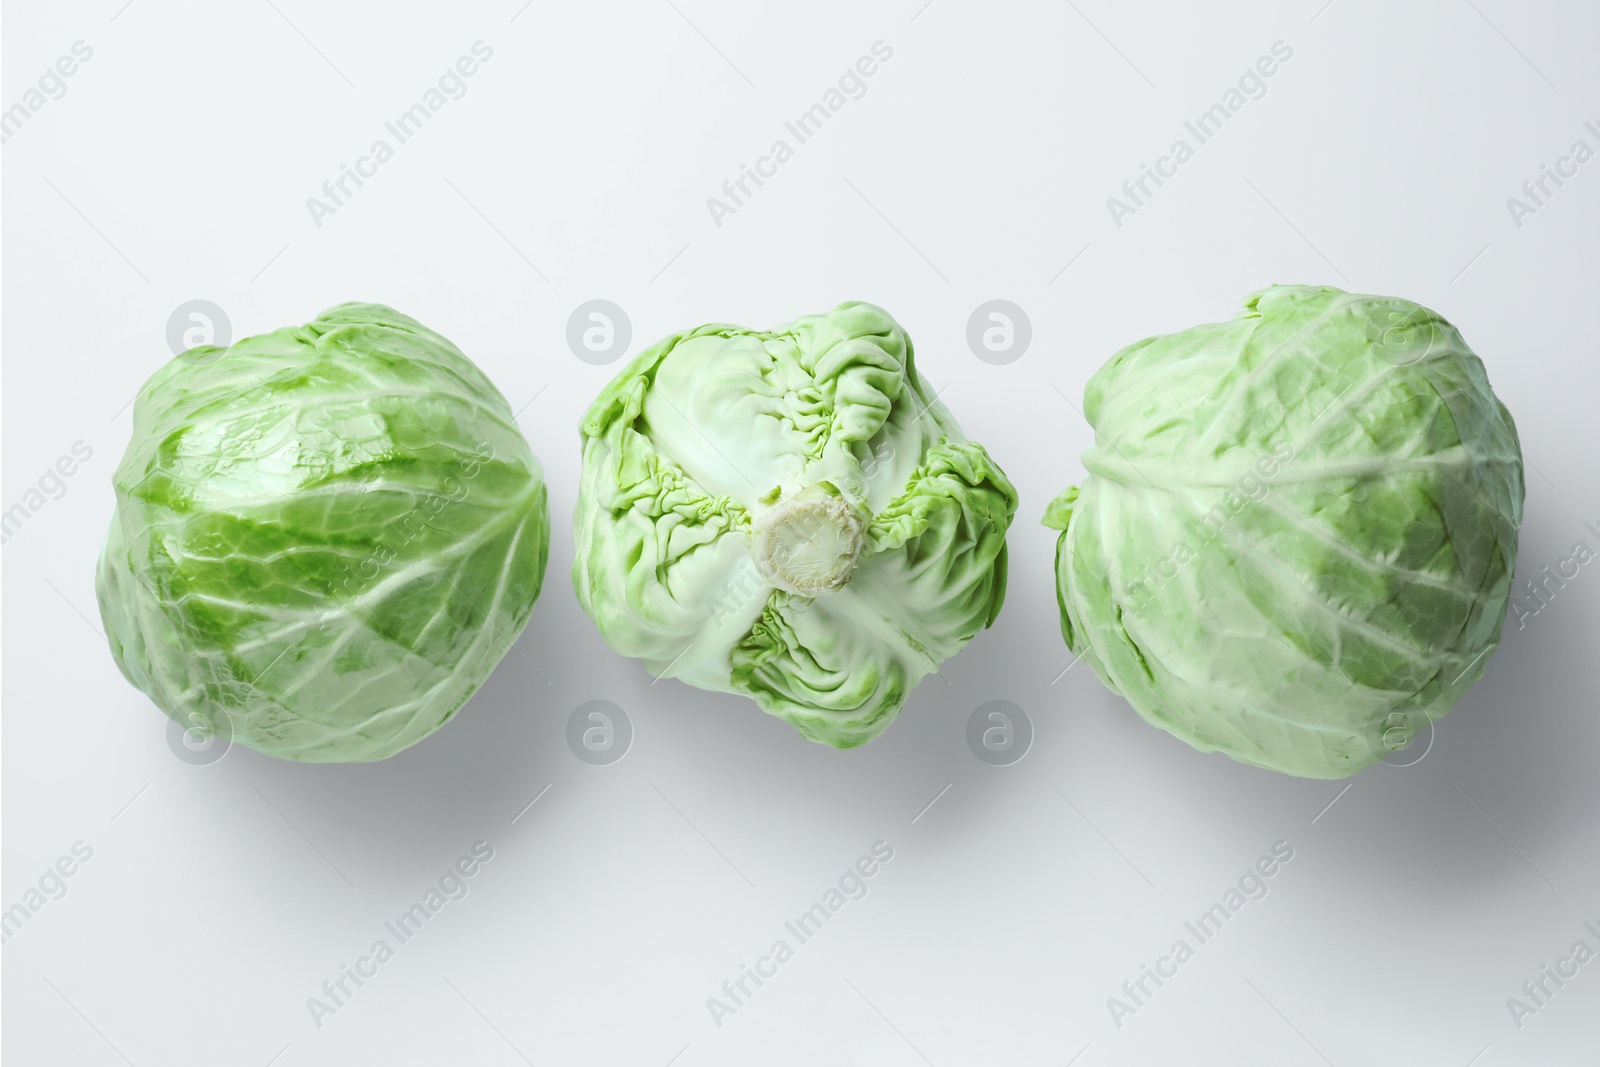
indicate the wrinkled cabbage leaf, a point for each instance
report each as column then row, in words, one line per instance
column 791, row 515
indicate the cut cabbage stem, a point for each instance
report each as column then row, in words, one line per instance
column 810, row 543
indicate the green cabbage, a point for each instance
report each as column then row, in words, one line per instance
column 791, row 515
column 325, row 537
column 1296, row 538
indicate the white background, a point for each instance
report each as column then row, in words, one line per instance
column 977, row 166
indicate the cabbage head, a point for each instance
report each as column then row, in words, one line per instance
column 325, row 537
column 791, row 515
column 1295, row 540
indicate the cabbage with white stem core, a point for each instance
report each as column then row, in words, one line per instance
column 1296, row 538
column 791, row 515
column 325, row 538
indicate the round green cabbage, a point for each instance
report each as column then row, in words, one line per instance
column 1295, row 541
column 791, row 515
column 325, row 537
